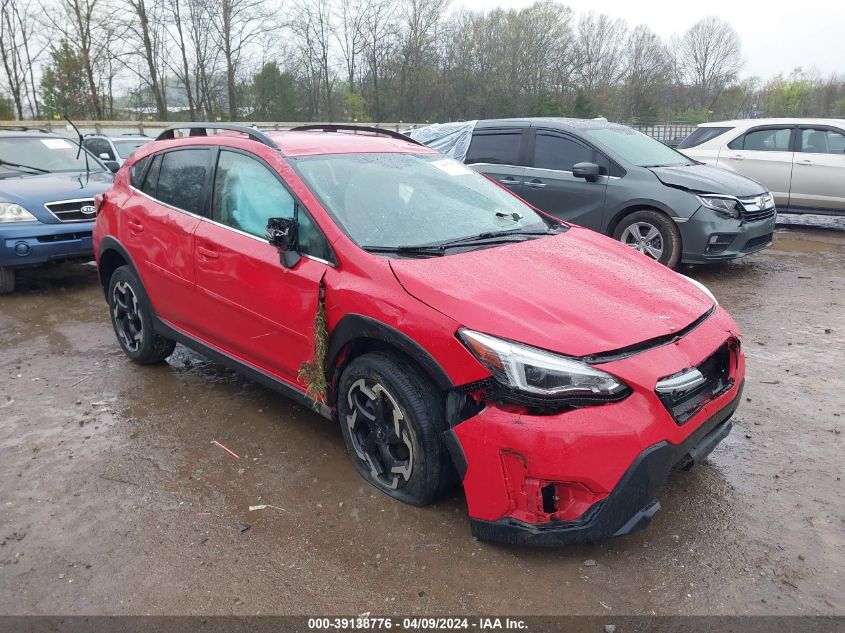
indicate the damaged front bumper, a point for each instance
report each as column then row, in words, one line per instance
column 595, row 472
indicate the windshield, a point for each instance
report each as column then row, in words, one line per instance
column 395, row 200
column 125, row 147
column 636, row 147
column 42, row 154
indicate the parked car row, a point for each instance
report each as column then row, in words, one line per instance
column 445, row 313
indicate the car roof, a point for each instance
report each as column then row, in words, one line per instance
column 125, row 137
column 27, row 134
column 780, row 121
column 562, row 123
column 310, row 143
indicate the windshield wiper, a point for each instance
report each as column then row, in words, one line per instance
column 495, row 237
column 19, row 166
column 422, row 250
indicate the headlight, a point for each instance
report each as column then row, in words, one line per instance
column 723, row 204
column 11, row 212
column 539, row 373
column 702, row 287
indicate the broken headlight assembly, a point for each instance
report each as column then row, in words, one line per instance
column 726, row 205
column 11, row 212
column 536, row 377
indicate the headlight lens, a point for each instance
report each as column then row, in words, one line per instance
column 723, row 204
column 11, row 212
column 702, row 287
column 538, row 372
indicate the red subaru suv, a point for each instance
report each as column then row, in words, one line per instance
column 454, row 332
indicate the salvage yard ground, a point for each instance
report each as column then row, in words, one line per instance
column 115, row 500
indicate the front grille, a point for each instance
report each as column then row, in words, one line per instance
column 758, row 208
column 72, row 210
column 683, row 403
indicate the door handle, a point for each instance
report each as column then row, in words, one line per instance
column 737, row 157
column 509, row 181
column 207, row 253
column 807, row 162
column 535, row 184
column 135, row 226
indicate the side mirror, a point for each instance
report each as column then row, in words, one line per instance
column 588, row 171
column 112, row 165
column 283, row 233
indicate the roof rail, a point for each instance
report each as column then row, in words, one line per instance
column 24, row 128
column 356, row 128
column 201, row 129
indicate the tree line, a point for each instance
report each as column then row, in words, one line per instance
column 377, row 60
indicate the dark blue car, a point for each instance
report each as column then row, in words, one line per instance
column 47, row 189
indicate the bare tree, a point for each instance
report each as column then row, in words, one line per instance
column 145, row 35
column 600, row 41
column 238, row 24
column 708, row 57
column 647, row 68
column 181, row 68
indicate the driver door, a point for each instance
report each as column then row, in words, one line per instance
column 254, row 308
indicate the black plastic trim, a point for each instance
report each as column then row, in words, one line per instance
column 201, row 130
column 456, row 452
column 247, row 370
column 356, row 128
column 354, row 327
column 109, row 243
column 631, row 504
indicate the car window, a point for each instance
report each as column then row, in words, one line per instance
column 136, row 172
column 247, row 194
column 126, row 147
column 822, row 141
column 635, row 147
column 400, row 199
column 764, row 140
column 556, row 152
column 98, row 146
column 701, row 135
column 151, row 180
column 182, row 178
column 49, row 153
column 498, row 148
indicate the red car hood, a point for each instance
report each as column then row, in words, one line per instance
column 577, row 293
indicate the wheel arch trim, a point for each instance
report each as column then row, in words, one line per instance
column 357, row 327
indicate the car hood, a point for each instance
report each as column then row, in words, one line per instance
column 578, row 293
column 707, row 179
column 31, row 192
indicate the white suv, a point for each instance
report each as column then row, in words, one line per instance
column 801, row 161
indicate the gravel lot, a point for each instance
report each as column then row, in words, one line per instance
column 115, row 501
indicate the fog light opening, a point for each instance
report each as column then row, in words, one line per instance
column 550, row 498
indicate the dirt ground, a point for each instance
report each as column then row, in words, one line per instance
column 113, row 500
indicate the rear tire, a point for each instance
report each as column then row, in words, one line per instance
column 392, row 418
column 653, row 234
column 131, row 318
column 7, row 280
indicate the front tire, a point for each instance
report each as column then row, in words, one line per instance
column 131, row 318
column 653, row 234
column 7, row 280
column 392, row 417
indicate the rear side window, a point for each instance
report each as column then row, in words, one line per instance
column 136, row 172
column 702, row 135
column 498, row 148
column 764, row 140
column 182, row 179
column 150, row 182
column 822, row 141
column 557, row 152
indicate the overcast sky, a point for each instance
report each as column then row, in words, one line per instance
column 776, row 36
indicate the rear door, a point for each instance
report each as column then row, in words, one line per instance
column 549, row 185
column 818, row 173
column 499, row 153
column 253, row 307
column 158, row 228
column 764, row 154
